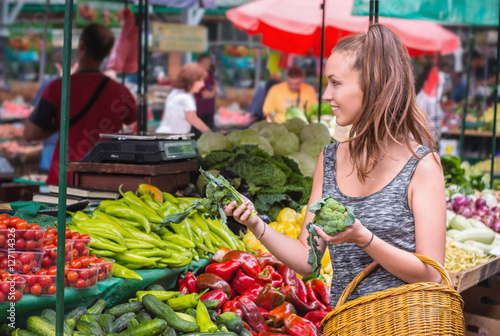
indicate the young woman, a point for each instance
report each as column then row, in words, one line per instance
column 180, row 107
column 388, row 171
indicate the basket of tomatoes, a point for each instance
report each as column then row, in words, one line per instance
column 79, row 273
column 41, row 283
column 11, row 287
column 17, row 234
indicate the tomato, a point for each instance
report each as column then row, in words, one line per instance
column 52, row 230
column 84, row 260
column 72, row 276
column 45, row 281
column 76, row 254
column 22, row 225
column 80, row 283
column 108, row 267
column 29, row 234
column 20, row 244
column 75, row 263
column 85, row 237
column 2, row 297
column 84, row 274
column 68, row 234
column 93, row 258
column 53, row 252
column 66, row 269
column 30, row 279
column 49, row 236
column 16, row 296
column 75, row 235
column 79, row 245
column 38, row 234
column 3, row 240
column 84, row 252
column 5, row 222
column 5, row 287
column 18, row 267
column 36, row 289
column 68, row 257
column 4, row 263
column 26, row 289
column 46, row 261
column 26, row 268
column 30, row 245
column 34, row 226
column 52, row 289
column 52, row 271
column 34, row 265
column 68, row 247
column 102, row 276
column 101, row 260
column 25, row 258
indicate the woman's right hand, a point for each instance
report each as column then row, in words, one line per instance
column 242, row 213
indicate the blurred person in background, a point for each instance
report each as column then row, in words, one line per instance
column 205, row 98
column 260, row 95
column 180, row 114
column 292, row 92
column 97, row 103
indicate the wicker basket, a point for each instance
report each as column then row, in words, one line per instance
column 424, row 308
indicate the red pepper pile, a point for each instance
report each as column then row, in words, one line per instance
column 266, row 294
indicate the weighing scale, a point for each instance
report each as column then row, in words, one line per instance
column 143, row 148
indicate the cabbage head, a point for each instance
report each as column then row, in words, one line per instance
column 306, row 163
column 272, row 129
column 285, row 143
column 260, row 141
column 313, row 147
column 315, row 131
column 295, row 112
column 236, row 136
column 257, row 126
column 295, row 125
column 212, row 141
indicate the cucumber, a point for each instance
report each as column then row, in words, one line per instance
column 71, row 323
column 40, row 326
column 169, row 332
column 90, row 318
column 98, row 307
column 20, row 332
column 80, row 333
column 210, row 304
column 76, row 313
column 122, row 322
column 155, row 287
column 213, row 315
column 89, row 327
column 106, row 323
column 190, row 311
column 245, row 332
column 128, row 307
column 223, row 328
column 162, row 310
column 49, row 314
column 143, row 317
column 231, row 320
column 152, row 327
column 5, row 330
column 132, row 323
column 479, row 235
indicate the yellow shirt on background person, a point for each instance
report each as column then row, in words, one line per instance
column 279, row 98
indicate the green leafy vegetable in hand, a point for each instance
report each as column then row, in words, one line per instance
column 329, row 216
column 220, row 192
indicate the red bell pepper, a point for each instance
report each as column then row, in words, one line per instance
column 212, row 281
column 269, row 298
column 228, row 305
column 247, row 327
column 280, row 330
column 268, row 259
column 215, row 295
column 316, row 317
column 297, row 326
column 317, row 290
column 269, row 275
column 237, row 312
column 264, row 312
column 248, row 263
column 191, row 281
column 183, row 289
column 303, row 308
column 225, row 270
column 241, row 282
column 278, row 314
column 219, row 255
column 252, row 314
column 290, row 278
column 253, row 291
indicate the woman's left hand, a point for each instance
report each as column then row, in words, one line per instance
column 355, row 233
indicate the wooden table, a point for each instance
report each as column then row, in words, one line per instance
column 168, row 177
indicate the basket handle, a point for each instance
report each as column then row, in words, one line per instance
column 368, row 269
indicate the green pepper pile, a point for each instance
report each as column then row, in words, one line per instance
column 131, row 230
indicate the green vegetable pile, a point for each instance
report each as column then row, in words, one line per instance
column 330, row 216
column 219, row 193
column 454, row 174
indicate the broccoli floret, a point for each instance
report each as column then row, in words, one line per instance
column 220, row 192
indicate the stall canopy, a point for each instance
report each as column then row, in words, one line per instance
column 211, row 4
column 294, row 26
column 473, row 12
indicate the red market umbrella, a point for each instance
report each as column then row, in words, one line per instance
column 294, row 26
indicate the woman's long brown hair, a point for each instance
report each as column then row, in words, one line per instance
column 389, row 110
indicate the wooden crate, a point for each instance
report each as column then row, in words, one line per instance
column 482, row 310
column 468, row 278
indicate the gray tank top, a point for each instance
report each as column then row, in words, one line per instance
column 386, row 213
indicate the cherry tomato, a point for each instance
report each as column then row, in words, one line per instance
column 84, row 252
column 72, row 276
column 2, row 297
column 69, row 257
column 34, row 226
column 52, row 290
column 25, row 258
column 75, row 263
column 30, row 279
column 26, row 268
column 100, row 260
column 80, row 283
column 4, row 263
column 93, row 258
column 16, row 296
column 52, row 230
column 53, row 252
column 75, row 235
column 30, row 245
column 84, row 260
column 108, row 267
column 79, row 245
column 26, row 289
column 29, row 234
column 85, row 237
column 34, row 265
column 38, row 234
column 20, row 244
column 3, row 240
column 22, row 225
column 84, row 274
column 46, row 261
column 36, row 289
column 45, row 281
column 102, row 276
column 52, row 271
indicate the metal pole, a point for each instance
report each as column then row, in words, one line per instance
column 139, row 67
column 376, row 11
column 321, row 59
column 370, row 13
column 495, row 90
column 145, row 70
column 63, row 164
column 467, row 83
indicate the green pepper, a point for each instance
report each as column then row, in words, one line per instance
column 216, row 241
column 121, row 271
column 152, row 216
column 102, row 253
column 198, row 221
column 104, row 244
column 203, row 319
column 130, row 198
column 169, row 198
column 168, row 209
column 137, row 244
column 185, row 301
column 177, row 239
column 161, row 265
column 128, row 213
column 216, row 227
column 151, row 202
column 140, row 235
column 97, row 214
column 148, row 189
column 104, row 204
column 177, row 260
column 174, row 247
column 102, row 229
column 162, row 295
column 154, row 235
column 79, row 217
column 154, row 252
column 130, row 258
